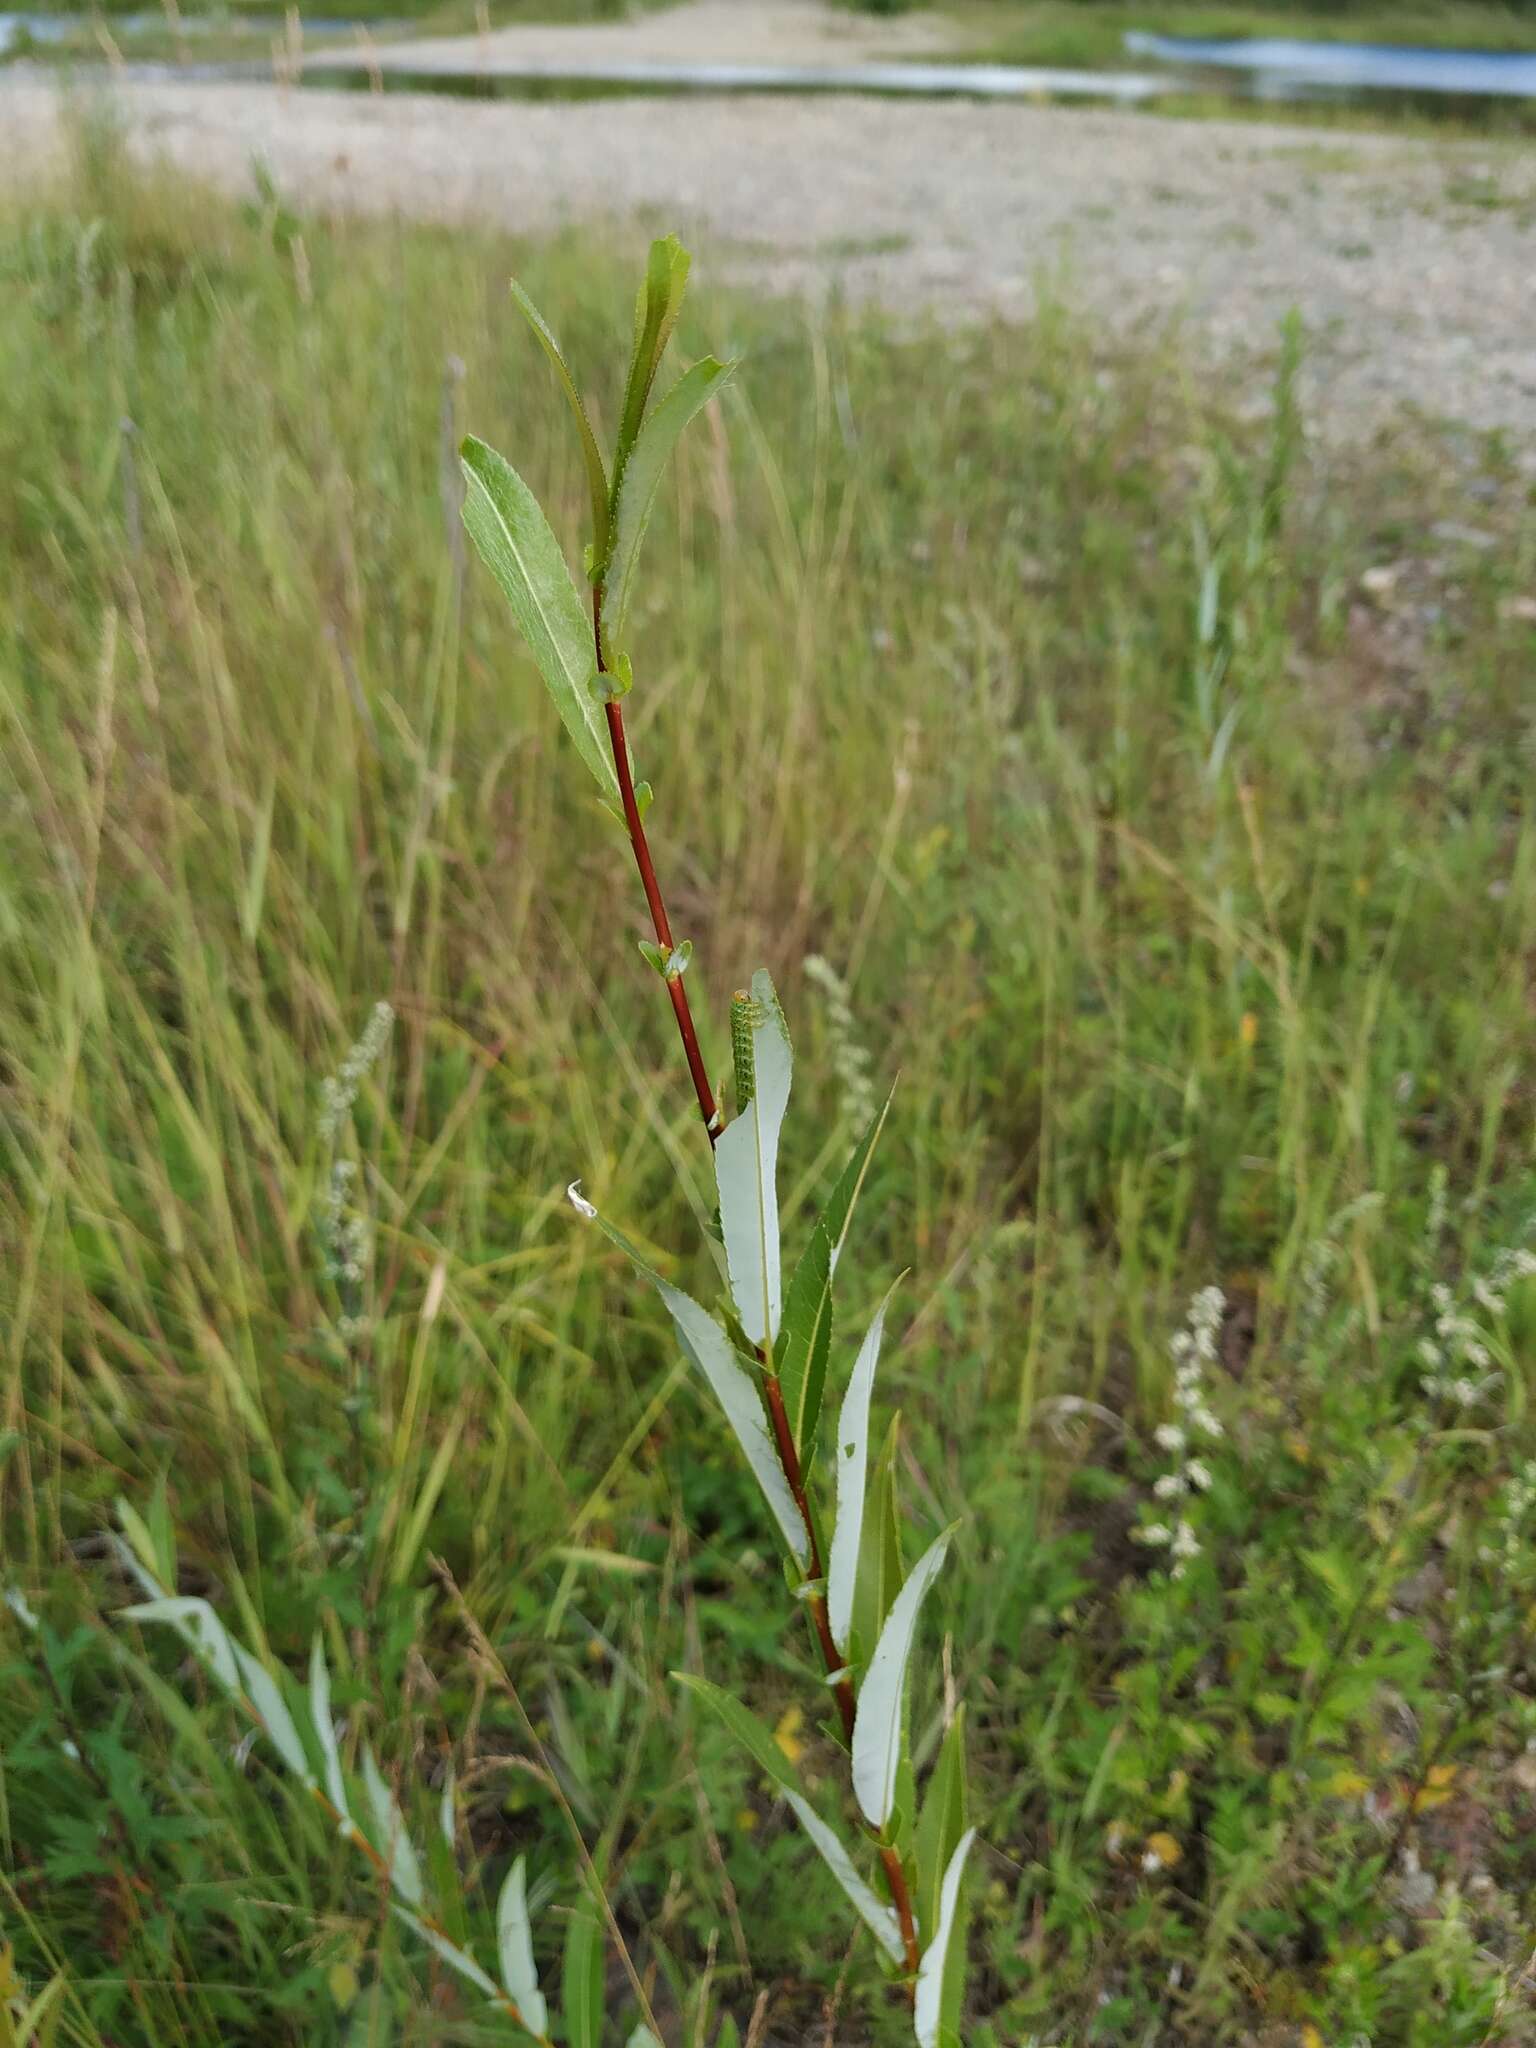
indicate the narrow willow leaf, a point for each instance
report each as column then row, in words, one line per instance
column 137, row 1531
column 748, row 1730
column 389, row 1831
column 765, row 1751
column 877, row 1731
column 261, row 1689
column 199, row 1627
column 581, row 1985
column 837, row 1217
column 636, row 497
column 514, row 1939
column 503, row 520
column 879, row 1918
column 880, row 1570
column 746, row 1171
column 452, row 1955
column 941, row 1823
column 708, row 1347
column 928, row 2008
column 325, row 1731
column 597, row 474
column 852, row 1470
column 805, row 1340
column 656, row 311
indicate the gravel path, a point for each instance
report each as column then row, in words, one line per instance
column 1413, row 263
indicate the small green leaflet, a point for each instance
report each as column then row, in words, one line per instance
column 746, row 1172
column 877, row 1731
column 514, row 1939
column 581, row 1983
column 641, row 480
column 710, row 1349
column 852, row 1452
column 597, row 475
column 502, row 518
column 760, row 1745
column 930, row 1971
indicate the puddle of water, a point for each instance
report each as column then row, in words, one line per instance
column 607, row 81
column 1279, row 68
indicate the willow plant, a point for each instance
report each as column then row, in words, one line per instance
column 766, row 1354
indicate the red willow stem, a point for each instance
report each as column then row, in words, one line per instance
column 784, row 1437
column 661, row 923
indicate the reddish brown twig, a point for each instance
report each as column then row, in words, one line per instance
column 661, row 923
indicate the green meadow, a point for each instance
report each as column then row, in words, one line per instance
column 1155, row 774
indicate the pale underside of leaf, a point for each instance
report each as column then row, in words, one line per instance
column 877, row 1730
column 709, row 1348
column 389, row 1827
column 640, row 482
column 929, row 2004
column 514, row 1938
column 852, row 1452
column 514, row 539
column 746, row 1173
column 199, row 1627
column 262, row 1691
column 325, row 1731
column 452, row 1955
column 879, row 1918
column 765, row 1751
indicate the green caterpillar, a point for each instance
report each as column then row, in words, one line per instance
column 746, row 1017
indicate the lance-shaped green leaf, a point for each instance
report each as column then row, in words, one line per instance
column 451, row 1953
column 325, row 1732
column 389, row 1827
column 709, row 1348
column 581, row 1982
column 749, row 1731
column 941, row 1823
column 636, row 498
column 503, row 520
column 747, row 1159
column 514, row 1938
column 199, row 1627
column 656, row 311
column 852, row 1470
column 928, row 2008
column 262, row 1691
column 877, row 1731
column 597, row 474
column 805, row 1336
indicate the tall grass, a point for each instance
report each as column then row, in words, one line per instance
column 1191, row 887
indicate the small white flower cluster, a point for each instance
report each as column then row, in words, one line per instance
column 1193, row 1351
column 1458, row 1364
column 343, row 1228
column 338, row 1091
column 1511, row 1553
column 850, row 1058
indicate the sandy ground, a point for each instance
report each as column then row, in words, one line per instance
column 1412, row 263
column 717, row 31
